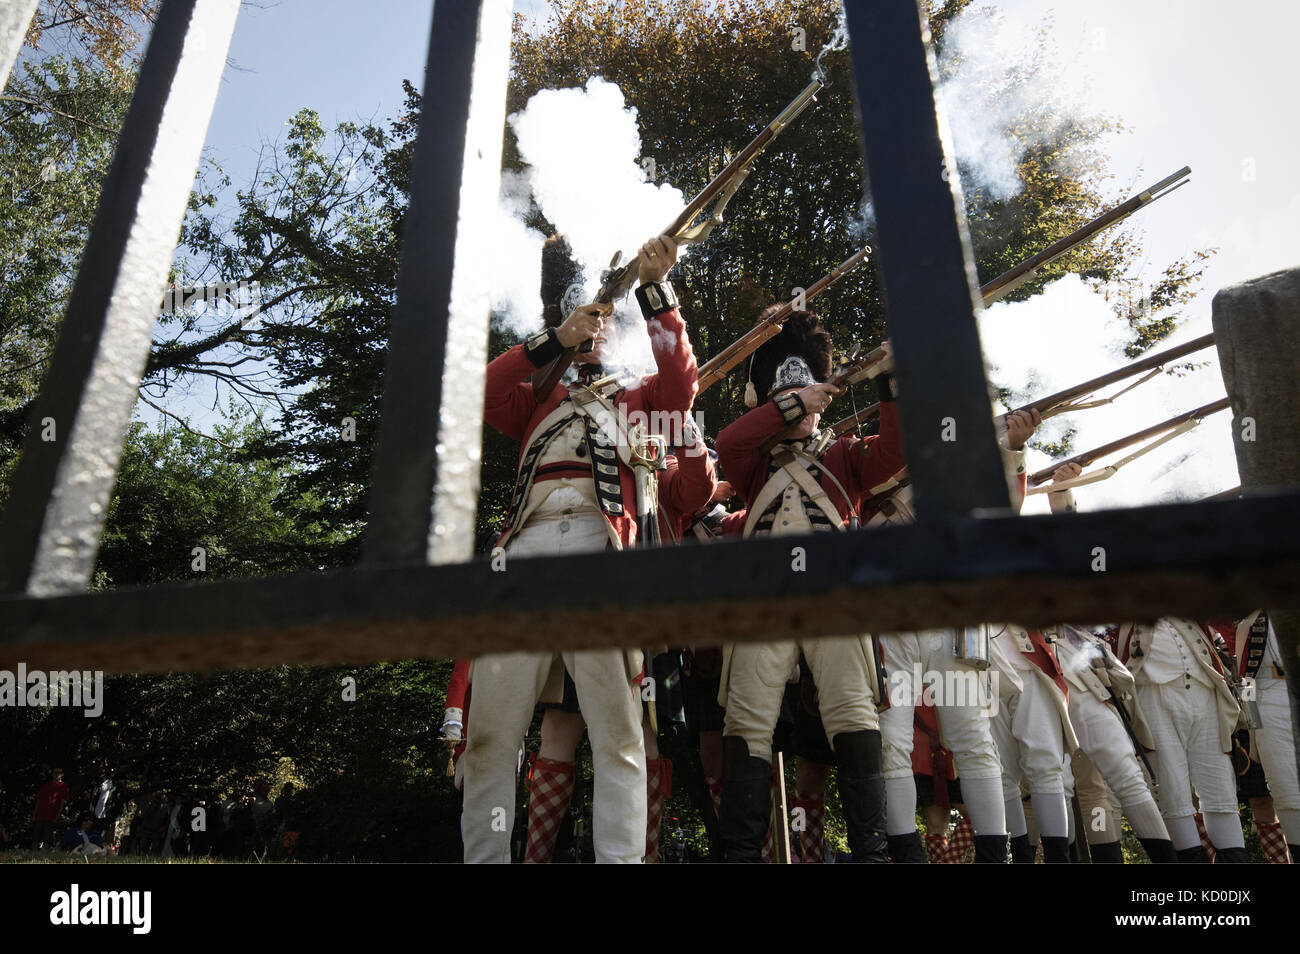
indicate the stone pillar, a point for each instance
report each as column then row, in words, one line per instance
column 1257, row 332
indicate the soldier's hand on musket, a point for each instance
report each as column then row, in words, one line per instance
column 1066, row 472
column 1021, row 426
column 817, row 397
column 585, row 321
column 722, row 492
column 656, row 258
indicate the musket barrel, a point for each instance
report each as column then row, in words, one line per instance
column 1087, row 457
column 717, row 367
column 1045, row 405
column 1009, row 281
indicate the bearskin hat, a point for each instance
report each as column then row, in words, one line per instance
column 803, row 336
column 559, row 272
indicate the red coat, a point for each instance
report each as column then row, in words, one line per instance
column 684, row 488
column 509, row 405
column 733, row 524
column 458, row 687
column 857, row 463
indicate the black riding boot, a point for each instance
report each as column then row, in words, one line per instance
column 862, row 794
column 746, row 802
column 1022, row 850
column 1106, row 853
column 990, row 849
column 1056, row 851
column 1160, row 851
column 907, row 849
column 1193, row 856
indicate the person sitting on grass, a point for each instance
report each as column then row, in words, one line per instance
column 83, row 838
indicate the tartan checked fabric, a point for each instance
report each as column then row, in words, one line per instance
column 548, row 801
column 812, row 840
column 936, row 848
column 654, row 803
column 1205, row 838
column 1273, row 841
column 961, row 843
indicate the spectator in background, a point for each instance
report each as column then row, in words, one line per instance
column 104, row 804
column 290, row 828
column 151, row 825
column 49, row 803
column 83, row 838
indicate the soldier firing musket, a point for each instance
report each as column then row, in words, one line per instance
column 687, row 229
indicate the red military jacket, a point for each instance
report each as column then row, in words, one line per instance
column 510, row 407
column 857, row 463
column 684, row 488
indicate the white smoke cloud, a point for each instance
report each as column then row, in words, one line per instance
column 585, row 174
column 515, row 290
column 1000, row 73
column 1069, row 334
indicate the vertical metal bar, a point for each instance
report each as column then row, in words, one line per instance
column 424, row 491
column 928, row 271
column 15, row 16
column 50, row 532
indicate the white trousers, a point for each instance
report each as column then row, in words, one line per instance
column 756, row 683
column 1114, row 776
column 1185, row 727
column 1102, row 737
column 962, row 697
column 1030, row 742
column 1275, row 741
column 963, row 728
column 506, row 687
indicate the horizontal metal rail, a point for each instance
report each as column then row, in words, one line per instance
column 1200, row 560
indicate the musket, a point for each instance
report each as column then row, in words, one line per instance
column 852, row 371
column 717, row 367
column 1003, row 285
column 1068, row 400
column 1175, row 426
column 683, row 229
column 842, row 427
column 1008, row 282
column 1127, row 719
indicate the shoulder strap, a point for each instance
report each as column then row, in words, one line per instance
column 774, row 488
column 806, row 481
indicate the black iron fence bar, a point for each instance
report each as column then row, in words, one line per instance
column 927, row 268
column 425, row 481
column 1199, row 560
column 15, row 17
column 49, row 533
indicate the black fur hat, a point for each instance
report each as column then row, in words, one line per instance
column 802, row 335
column 559, row 272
